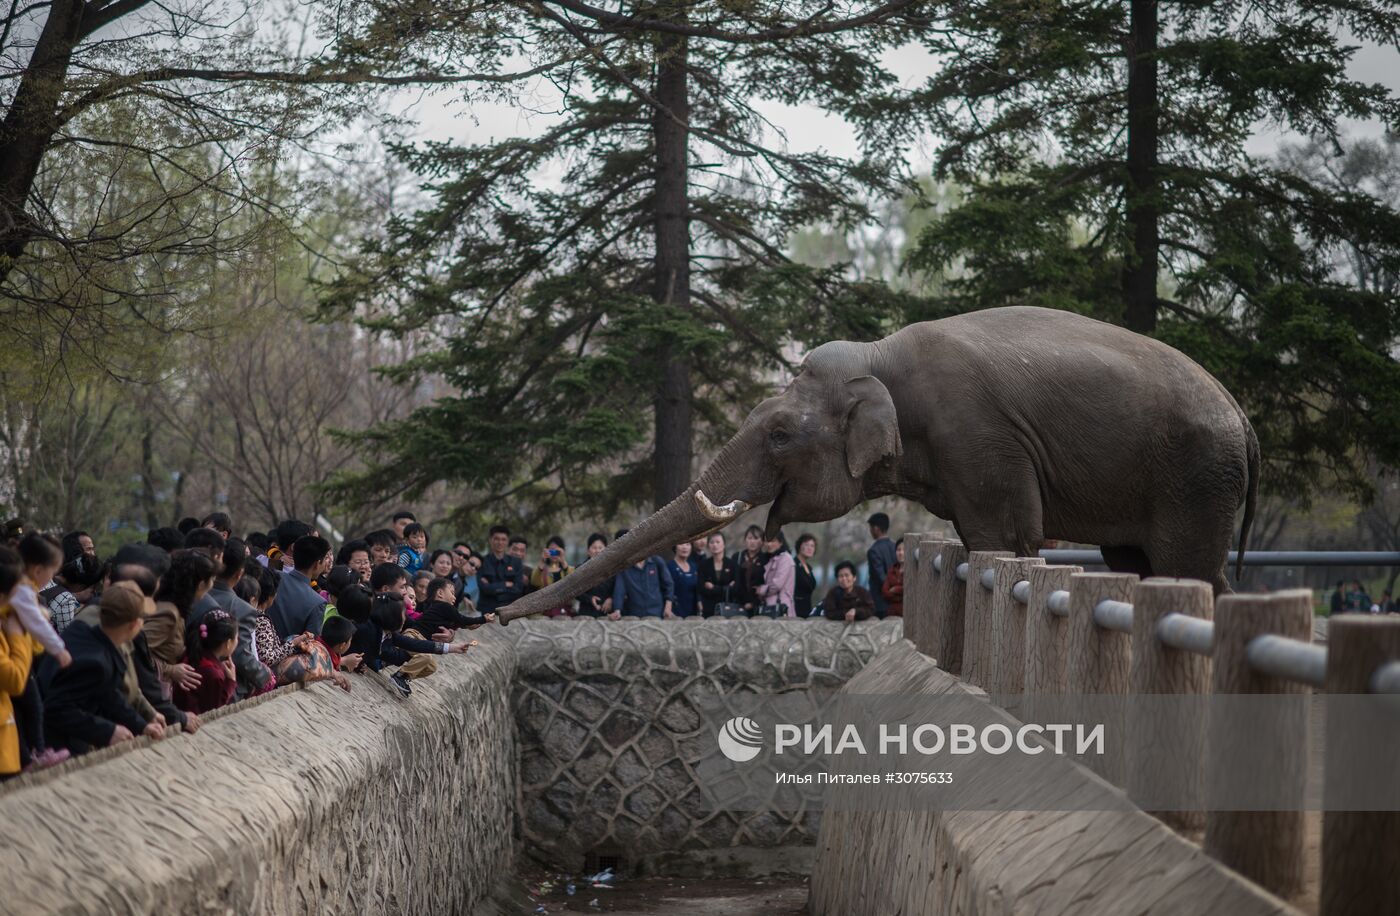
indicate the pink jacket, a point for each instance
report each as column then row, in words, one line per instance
column 779, row 577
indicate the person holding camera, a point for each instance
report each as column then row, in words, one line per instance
column 552, row 568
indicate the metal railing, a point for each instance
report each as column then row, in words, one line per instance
column 1092, row 557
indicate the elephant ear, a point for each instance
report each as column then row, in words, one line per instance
column 872, row 427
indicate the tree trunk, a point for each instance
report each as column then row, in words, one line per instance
column 30, row 123
column 672, row 455
column 1140, row 269
column 148, row 473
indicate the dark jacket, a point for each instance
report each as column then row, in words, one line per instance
column 748, row 576
column 434, row 615
column 86, row 701
column 879, row 560
column 493, row 576
column 603, row 591
column 298, row 608
column 715, row 585
column 380, row 648
column 644, row 592
column 804, row 584
column 838, row 602
column 149, row 680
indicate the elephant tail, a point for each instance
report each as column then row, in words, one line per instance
column 1251, row 494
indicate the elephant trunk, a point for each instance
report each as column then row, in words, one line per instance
column 688, row 516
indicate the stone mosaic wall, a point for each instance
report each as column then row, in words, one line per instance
column 317, row 802
column 610, row 738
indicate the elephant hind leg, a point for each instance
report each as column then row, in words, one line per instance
column 1128, row 559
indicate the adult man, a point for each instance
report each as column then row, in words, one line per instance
column 299, row 608
column 402, row 519
column 143, row 565
column 879, row 558
column 285, row 536
column 518, row 548
column 78, row 542
column 253, row 675
column 644, row 589
column 461, row 569
column 502, row 575
column 383, row 545
column 85, row 706
column 220, row 522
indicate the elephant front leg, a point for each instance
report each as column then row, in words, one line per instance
column 1005, row 515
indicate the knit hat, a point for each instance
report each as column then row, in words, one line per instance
column 122, row 602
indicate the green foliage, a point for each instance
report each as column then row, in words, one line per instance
column 1276, row 276
column 533, row 264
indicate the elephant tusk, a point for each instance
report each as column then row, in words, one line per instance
column 724, row 513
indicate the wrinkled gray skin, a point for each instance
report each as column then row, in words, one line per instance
column 1016, row 424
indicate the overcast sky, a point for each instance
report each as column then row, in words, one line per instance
column 807, row 128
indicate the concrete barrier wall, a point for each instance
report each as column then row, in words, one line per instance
column 610, row 738
column 940, row 863
column 316, row 802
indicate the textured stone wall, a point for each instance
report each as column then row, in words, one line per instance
column 940, row 863
column 315, row 802
column 610, row 737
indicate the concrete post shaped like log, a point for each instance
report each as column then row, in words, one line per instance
column 977, row 619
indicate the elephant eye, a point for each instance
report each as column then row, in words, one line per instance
column 778, row 437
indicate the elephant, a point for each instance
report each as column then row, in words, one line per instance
column 1017, row 424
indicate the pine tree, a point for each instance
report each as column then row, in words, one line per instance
column 616, row 290
column 1103, row 152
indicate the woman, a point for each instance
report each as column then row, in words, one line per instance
column 715, row 575
column 846, row 600
column 552, row 568
column 73, row 587
column 471, row 586
column 684, row 579
column 355, row 554
column 190, row 577
column 748, row 569
column 775, row 595
column 440, row 564
column 597, row 601
column 893, row 587
column 804, row 579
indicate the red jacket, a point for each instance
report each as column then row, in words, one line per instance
column 893, row 590
column 216, row 688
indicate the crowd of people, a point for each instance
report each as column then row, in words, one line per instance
column 95, row 652
column 1352, row 598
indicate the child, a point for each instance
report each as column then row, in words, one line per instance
column 411, row 554
column 336, row 635
column 381, row 641
column 209, row 645
column 16, row 651
column 440, row 611
column 41, row 557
